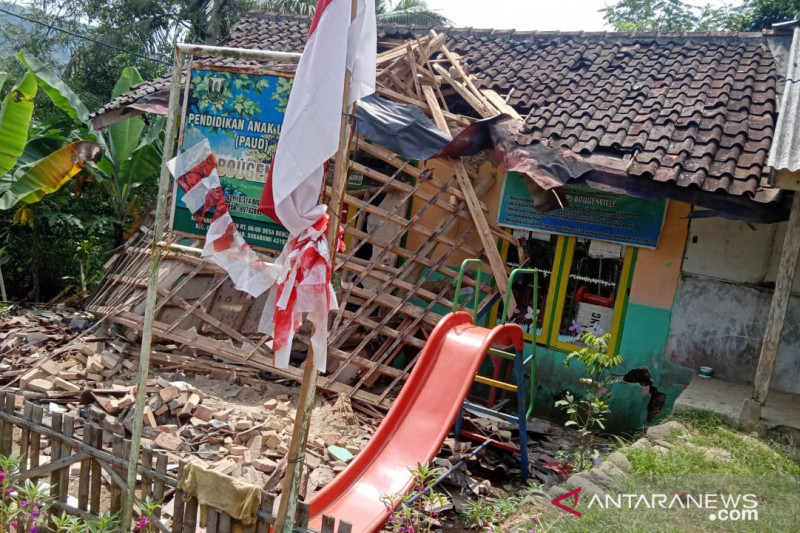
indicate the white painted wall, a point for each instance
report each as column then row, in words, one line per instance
column 721, row 308
column 735, row 251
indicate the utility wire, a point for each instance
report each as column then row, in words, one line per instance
column 50, row 26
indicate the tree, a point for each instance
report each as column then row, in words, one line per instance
column 414, row 12
column 676, row 15
column 759, row 14
column 38, row 159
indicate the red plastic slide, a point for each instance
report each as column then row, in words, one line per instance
column 416, row 425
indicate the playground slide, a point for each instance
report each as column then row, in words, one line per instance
column 416, row 425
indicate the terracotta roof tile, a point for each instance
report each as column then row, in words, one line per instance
column 695, row 109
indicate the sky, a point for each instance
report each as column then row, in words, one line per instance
column 543, row 15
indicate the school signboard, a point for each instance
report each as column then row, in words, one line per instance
column 241, row 114
column 591, row 213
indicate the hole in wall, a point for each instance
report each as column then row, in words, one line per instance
column 642, row 376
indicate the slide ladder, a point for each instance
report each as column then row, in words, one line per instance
column 524, row 402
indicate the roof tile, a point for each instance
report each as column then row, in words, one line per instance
column 697, row 109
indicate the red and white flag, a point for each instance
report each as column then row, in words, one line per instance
column 301, row 276
column 309, row 138
column 195, row 171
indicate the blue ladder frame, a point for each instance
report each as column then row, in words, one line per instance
column 520, row 362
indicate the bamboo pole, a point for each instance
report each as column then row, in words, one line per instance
column 155, row 256
column 152, row 291
column 305, row 402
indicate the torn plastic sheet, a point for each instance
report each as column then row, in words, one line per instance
column 402, row 128
column 407, row 131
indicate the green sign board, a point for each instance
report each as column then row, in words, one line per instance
column 241, row 115
column 591, row 213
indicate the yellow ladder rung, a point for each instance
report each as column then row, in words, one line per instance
column 495, row 383
column 501, row 353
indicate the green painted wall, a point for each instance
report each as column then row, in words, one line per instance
column 644, row 338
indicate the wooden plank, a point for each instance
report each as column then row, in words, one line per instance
column 394, row 95
column 116, row 490
column 225, row 521
column 433, row 105
column 146, row 460
column 465, row 93
column 489, row 244
column 468, row 81
column 265, row 516
column 227, row 351
column 68, row 430
column 159, row 485
column 25, row 437
column 356, row 267
column 3, row 429
column 36, row 438
column 412, row 63
column 399, row 51
column 406, row 225
column 302, row 515
column 96, row 478
column 190, row 515
column 500, row 104
column 56, row 423
column 779, row 304
column 212, row 520
column 86, row 466
column 178, row 506
column 328, row 524
column 381, row 153
column 427, row 197
column 58, row 464
column 7, row 401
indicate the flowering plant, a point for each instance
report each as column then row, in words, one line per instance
column 416, row 511
column 23, row 505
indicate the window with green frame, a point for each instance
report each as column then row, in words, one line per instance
column 582, row 285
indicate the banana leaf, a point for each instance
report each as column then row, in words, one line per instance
column 50, row 173
column 125, row 134
column 15, row 119
column 62, row 96
column 3, row 76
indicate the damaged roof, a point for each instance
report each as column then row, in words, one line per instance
column 696, row 110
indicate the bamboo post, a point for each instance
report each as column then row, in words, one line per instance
column 152, row 290
column 751, row 409
column 305, row 403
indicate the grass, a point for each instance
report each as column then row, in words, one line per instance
column 715, row 458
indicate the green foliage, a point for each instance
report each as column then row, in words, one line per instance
column 72, row 524
column 677, row 15
column 589, row 412
column 756, row 15
column 23, row 505
column 415, row 12
column 416, row 510
column 487, row 516
column 15, row 119
column 148, row 508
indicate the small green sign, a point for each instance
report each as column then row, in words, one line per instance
column 591, row 213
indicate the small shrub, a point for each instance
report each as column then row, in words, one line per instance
column 417, row 510
column 588, row 413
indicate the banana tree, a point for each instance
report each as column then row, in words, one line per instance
column 131, row 151
column 36, row 160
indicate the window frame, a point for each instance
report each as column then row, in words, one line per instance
column 554, row 303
